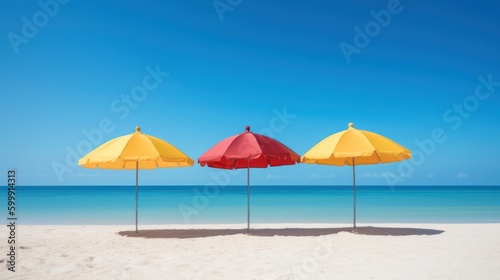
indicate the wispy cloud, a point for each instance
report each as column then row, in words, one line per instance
column 93, row 174
column 311, row 176
column 462, row 175
column 375, row 175
column 319, row 176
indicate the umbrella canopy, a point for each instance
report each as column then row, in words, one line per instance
column 353, row 146
column 135, row 151
column 248, row 150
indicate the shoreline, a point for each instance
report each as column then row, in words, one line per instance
column 260, row 225
column 285, row 251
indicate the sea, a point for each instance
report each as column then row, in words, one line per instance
column 115, row 205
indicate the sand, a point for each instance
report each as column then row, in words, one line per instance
column 303, row 251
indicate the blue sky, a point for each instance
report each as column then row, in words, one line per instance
column 413, row 70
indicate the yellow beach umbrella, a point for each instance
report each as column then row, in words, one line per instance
column 135, row 151
column 354, row 147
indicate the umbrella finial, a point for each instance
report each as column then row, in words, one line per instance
column 351, row 125
column 247, row 128
column 137, row 129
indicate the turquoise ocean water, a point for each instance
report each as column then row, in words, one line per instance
column 269, row 204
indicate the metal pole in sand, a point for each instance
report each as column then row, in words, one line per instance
column 248, row 196
column 136, row 195
column 354, row 181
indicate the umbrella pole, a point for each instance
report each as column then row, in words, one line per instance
column 136, row 195
column 248, row 196
column 354, row 182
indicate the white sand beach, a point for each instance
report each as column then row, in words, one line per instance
column 324, row 251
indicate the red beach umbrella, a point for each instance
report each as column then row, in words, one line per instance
column 248, row 150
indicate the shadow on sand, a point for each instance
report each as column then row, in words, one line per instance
column 197, row 233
